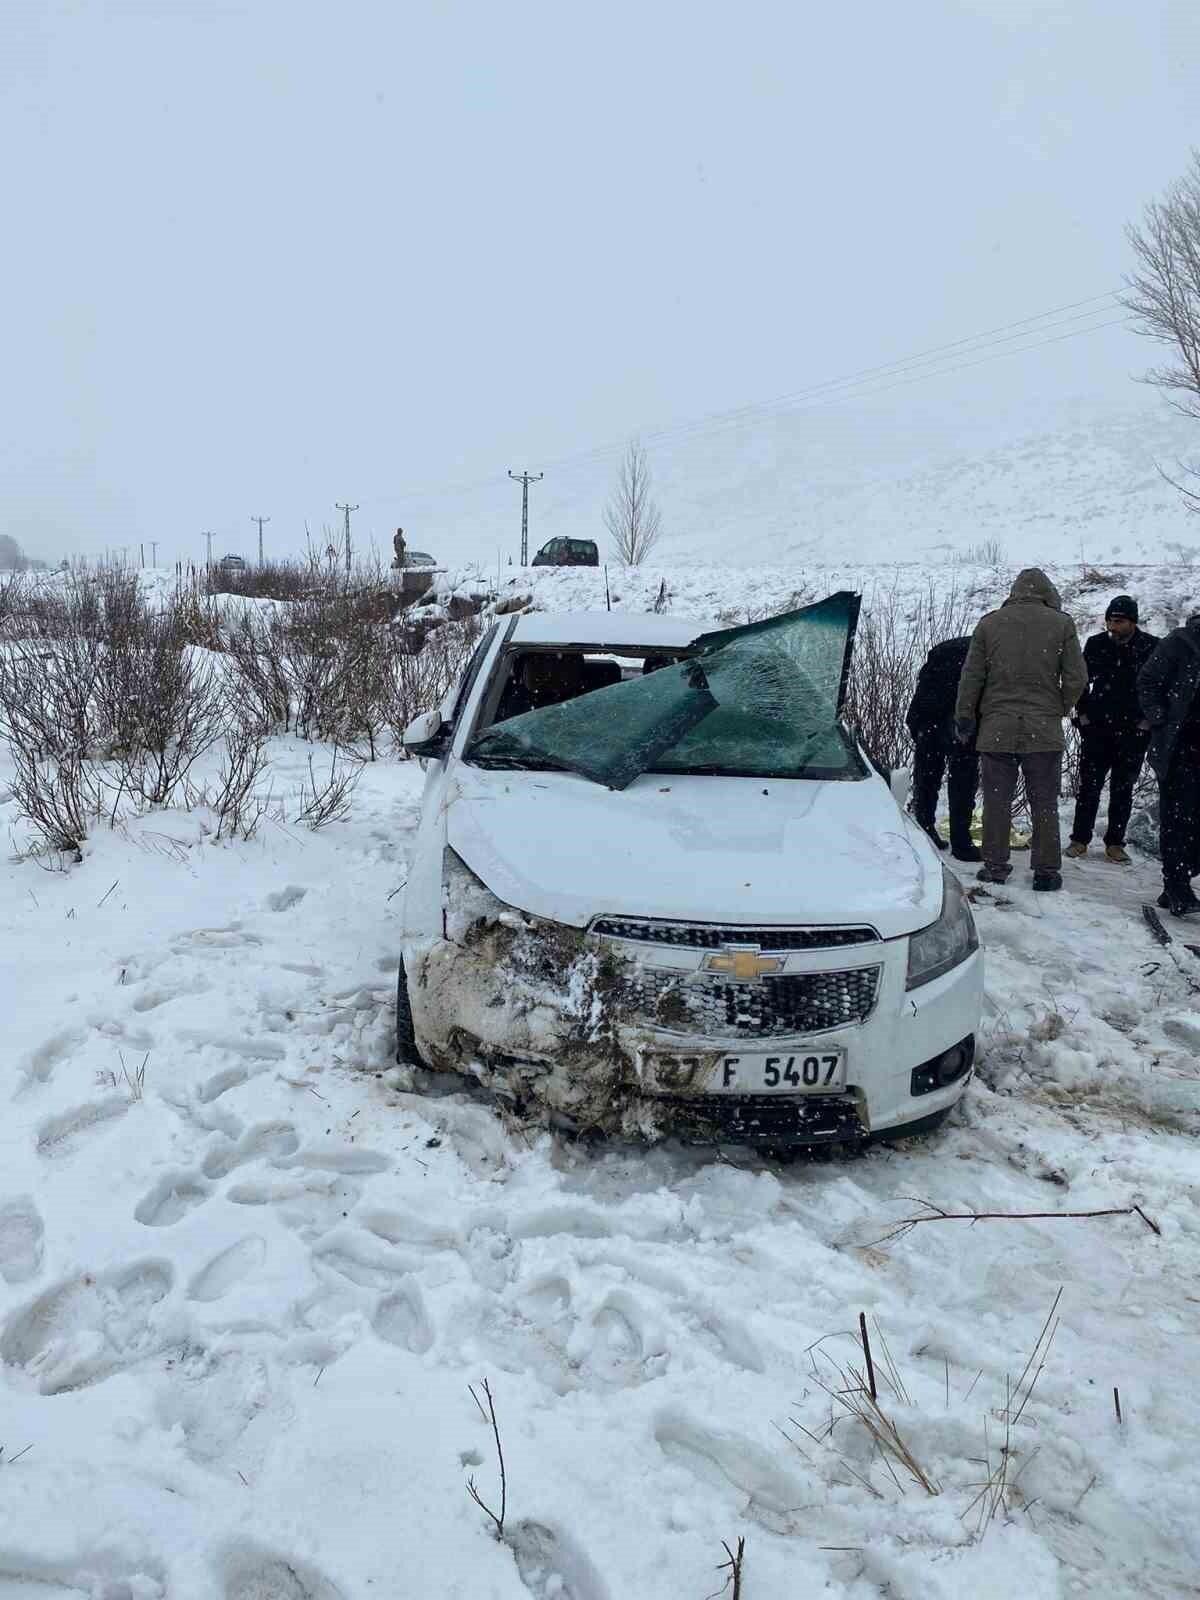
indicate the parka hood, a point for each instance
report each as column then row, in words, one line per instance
column 1033, row 584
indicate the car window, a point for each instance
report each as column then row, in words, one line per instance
column 763, row 700
column 472, row 672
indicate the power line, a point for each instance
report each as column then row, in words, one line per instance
column 986, row 340
column 260, row 521
column 347, row 509
column 525, row 479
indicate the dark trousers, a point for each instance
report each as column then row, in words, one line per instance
column 931, row 763
column 1042, row 771
column 1117, row 757
column 1179, row 819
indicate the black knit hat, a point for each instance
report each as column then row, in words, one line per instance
column 1123, row 606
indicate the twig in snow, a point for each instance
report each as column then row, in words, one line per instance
column 1117, row 1403
column 472, row 1489
column 107, row 892
column 318, row 1377
column 935, row 1213
column 734, row 1567
column 866, row 1345
column 12, row 1460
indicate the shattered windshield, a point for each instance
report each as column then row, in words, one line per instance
column 761, row 700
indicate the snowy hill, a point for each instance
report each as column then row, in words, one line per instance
column 819, row 486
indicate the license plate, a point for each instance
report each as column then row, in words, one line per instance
column 752, row 1071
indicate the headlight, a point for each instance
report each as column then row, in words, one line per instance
column 945, row 943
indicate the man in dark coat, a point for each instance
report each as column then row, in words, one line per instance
column 1169, row 691
column 1023, row 675
column 937, row 753
column 1112, row 736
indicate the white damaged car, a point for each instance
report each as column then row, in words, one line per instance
column 658, row 890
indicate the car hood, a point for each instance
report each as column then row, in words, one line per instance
column 695, row 849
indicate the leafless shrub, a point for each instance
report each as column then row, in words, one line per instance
column 632, row 516
column 235, row 798
column 172, row 713
column 420, row 681
column 60, row 795
column 988, row 553
column 325, row 799
column 262, row 678
column 890, row 646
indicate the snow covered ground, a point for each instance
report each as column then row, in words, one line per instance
column 245, row 1281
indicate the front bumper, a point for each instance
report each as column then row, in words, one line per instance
column 554, row 1030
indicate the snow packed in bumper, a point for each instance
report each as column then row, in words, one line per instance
column 574, row 1030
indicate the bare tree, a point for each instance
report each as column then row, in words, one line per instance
column 631, row 516
column 12, row 558
column 1164, row 293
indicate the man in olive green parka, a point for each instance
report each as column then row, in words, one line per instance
column 1023, row 675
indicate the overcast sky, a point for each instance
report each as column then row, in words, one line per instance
column 265, row 255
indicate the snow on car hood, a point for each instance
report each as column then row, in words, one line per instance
column 696, row 849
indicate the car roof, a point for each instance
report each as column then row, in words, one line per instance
column 608, row 628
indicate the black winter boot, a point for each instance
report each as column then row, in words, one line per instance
column 988, row 874
column 930, row 828
column 965, row 850
column 1047, row 882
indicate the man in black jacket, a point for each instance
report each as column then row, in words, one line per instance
column 1169, row 691
column 930, row 720
column 1112, row 745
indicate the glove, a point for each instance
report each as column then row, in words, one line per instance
column 964, row 729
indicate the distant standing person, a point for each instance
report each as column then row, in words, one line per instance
column 937, row 753
column 1169, row 692
column 1112, row 735
column 399, row 546
column 1023, row 674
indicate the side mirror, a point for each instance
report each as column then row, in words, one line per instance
column 426, row 734
column 900, row 783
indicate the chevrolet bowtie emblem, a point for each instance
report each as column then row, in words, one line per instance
column 744, row 963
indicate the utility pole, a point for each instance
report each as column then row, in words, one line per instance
column 260, row 521
column 207, row 535
column 525, row 479
column 346, row 509
column 154, row 552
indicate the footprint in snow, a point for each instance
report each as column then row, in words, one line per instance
column 41, row 1061
column 171, row 1198
column 267, row 1141
column 725, row 1460
column 285, row 899
column 64, row 1134
column 252, row 1574
column 401, row 1319
column 552, row 1566
column 21, row 1234
column 88, row 1327
column 228, row 1268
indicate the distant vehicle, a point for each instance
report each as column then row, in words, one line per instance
column 648, row 899
column 568, row 553
column 419, row 558
column 229, row 564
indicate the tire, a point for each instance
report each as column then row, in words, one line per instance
column 406, row 1038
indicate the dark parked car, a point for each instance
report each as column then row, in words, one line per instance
column 568, row 553
column 229, row 564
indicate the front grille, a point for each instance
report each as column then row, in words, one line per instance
column 704, row 936
column 713, row 1008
